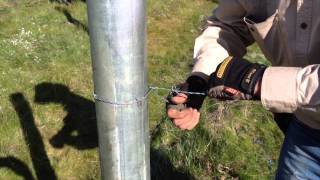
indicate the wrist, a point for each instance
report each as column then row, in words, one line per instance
column 198, row 82
column 257, row 90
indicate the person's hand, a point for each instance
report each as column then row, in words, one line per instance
column 236, row 79
column 183, row 117
column 183, row 108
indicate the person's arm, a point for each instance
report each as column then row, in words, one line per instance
column 286, row 89
column 225, row 35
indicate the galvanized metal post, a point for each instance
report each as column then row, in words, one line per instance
column 117, row 35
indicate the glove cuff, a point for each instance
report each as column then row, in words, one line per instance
column 252, row 77
column 198, row 82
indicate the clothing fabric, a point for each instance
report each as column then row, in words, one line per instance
column 288, row 33
column 300, row 155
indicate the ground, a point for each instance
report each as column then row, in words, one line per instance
column 47, row 114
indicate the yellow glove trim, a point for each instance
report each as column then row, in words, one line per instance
column 223, row 67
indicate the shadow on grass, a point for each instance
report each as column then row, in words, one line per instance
column 80, row 125
column 66, row 2
column 214, row 1
column 80, row 120
column 34, row 141
column 162, row 168
column 72, row 20
column 17, row 166
column 79, row 131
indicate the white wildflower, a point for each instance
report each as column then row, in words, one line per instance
column 36, row 59
column 23, row 39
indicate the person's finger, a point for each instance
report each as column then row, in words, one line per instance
column 192, row 121
column 179, row 99
column 175, row 114
column 195, row 121
column 181, row 121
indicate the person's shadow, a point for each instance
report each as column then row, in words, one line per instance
column 80, row 25
column 80, row 120
column 17, row 166
column 33, row 139
column 66, row 2
column 80, row 125
column 79, row 131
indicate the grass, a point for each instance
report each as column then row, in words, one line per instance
column 47, row 118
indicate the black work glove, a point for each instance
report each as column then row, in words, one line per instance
column 235, row 79
column 195, row 83
column 182, row 107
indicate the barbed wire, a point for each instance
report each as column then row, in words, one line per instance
column 177, row 90
column 172, row 90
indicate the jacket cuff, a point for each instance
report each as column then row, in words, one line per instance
column 279, row 89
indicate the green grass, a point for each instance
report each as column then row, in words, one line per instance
column 47, row 123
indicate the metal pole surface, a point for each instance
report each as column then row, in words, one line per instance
column 117, row 36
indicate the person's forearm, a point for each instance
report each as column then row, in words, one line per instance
column 208, row 53
column 225, row 35
column 286, row 89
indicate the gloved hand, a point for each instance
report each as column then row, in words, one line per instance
column 183, row 108
column 236, row 79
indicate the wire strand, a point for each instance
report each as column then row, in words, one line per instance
column 143, row 98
